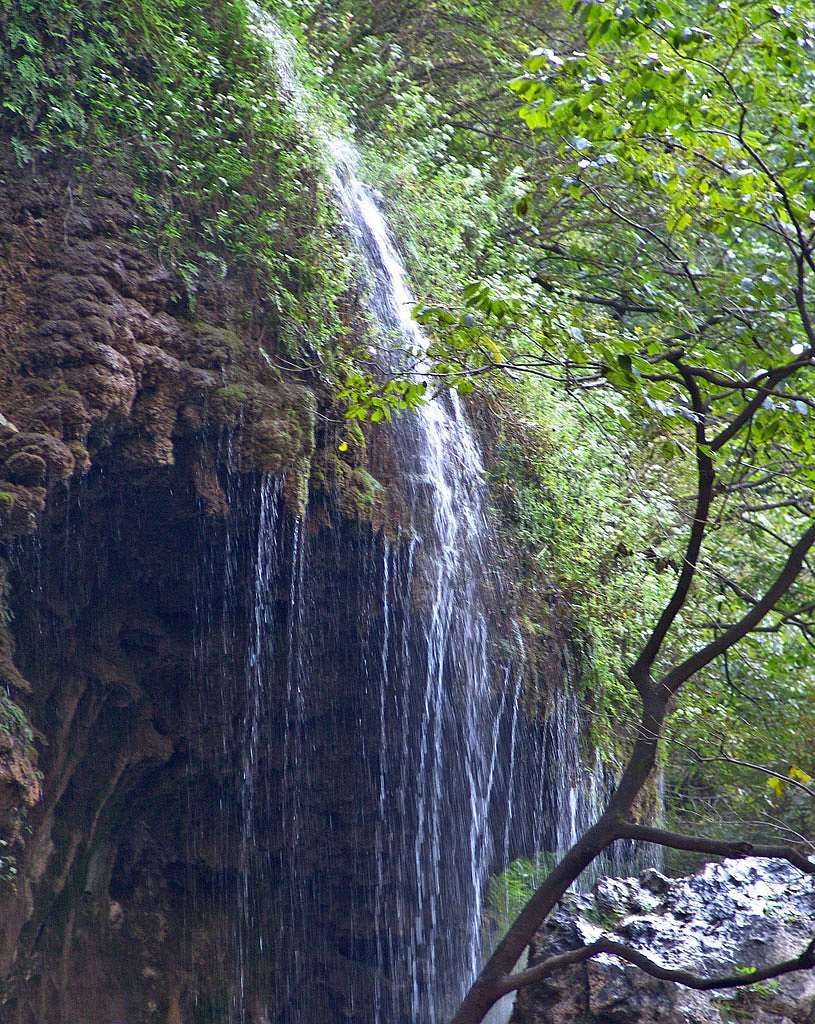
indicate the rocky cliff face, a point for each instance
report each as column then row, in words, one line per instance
column 167, row 807
column 101, row 354
column 745, row 913
column 133, row 429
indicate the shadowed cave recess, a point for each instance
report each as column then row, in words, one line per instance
column 263, row 786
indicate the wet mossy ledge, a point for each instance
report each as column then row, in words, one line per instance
column 102, row 360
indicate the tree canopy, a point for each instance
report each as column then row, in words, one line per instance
column 660, row 274
column 663, row 264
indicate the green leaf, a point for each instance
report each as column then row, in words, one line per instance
column 777, row 786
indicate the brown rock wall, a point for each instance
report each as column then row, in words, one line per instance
column 98, row 350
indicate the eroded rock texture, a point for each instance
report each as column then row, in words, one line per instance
column 133, row 431
column 99, row 350
column 735, row 914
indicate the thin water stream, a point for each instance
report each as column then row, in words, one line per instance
column 408, row 770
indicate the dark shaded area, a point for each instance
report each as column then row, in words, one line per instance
column 230, row 748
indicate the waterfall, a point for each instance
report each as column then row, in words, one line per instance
column 407, row 770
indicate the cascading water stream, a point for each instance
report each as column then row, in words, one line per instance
column 409, row 770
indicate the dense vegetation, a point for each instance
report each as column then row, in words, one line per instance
column 540, row 286
column 181, row 96
column 595, row 463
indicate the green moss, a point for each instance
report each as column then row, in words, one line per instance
column 273, row 446
column 509, row 892
column 588, row 512
column 81, row 456
column 217, row 347
column 364, row 493
column 228, row 403
column 13, row 720
column 358, row 494
column 232, row 392
column 231, row 403
column 7, row 499
column 283, row 431
column 608, row 920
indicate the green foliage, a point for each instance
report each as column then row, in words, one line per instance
column 510, row 891
column 13, row 720
column 184, row 97
column 680, row 160
column 591, row 506
column 663, row 216
column 757, row 708
column 51, row 56
column 695, row 175
column 232, row 393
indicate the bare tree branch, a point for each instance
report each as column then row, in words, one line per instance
column 805, row 961
column 785, row 579
column 706, row 481
column 717, row 847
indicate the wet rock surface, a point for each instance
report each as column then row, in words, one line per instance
column 134, row 424
column 105, row 356
column 737, row 914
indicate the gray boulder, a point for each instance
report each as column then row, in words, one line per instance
column 740, row 913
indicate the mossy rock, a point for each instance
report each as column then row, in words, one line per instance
column 54, row 454
column 227, row 403
column 280, row 436
column 362, row 495
column 216, row 347
column 20, row 509
column 232, row 393
column 358, row 494
column 275, row 426
column 81, row 456
column 26, row 468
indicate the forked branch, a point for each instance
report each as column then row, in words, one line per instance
column 785, row 579
column 639, row 672
column 539, row 972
